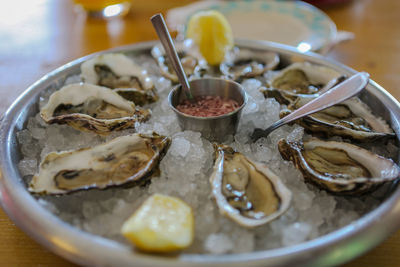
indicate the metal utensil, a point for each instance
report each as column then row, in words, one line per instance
column 331, row 83
column 166, row 40
column 337, row 94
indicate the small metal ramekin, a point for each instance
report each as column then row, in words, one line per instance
column 216, row 128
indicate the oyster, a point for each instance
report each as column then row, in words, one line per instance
column 192, row 61
column 350, row 119
column 120, row 73
column 249, row 63
column 89, row 107
column 246, row 191
column 301, row 79
column 339, row 167
column 122, row 160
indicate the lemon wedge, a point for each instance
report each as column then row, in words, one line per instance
column 212, row 33
column 161, row 224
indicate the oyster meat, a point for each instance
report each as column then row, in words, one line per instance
column 350, row 119
column 339, row 167
column 246, row 191
column 93, row 108
column 192, row 61
column 249, row 63
column 125, row 159
column 300, row 79
column 120, row 73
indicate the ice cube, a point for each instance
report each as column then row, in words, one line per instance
column 24, row 137
column 38, row 133
column 218, row 244
column 27, row 166
column 296, row 233
column 180, row 147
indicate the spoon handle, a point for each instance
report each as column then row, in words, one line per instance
column 166, row 41
column 337, row 94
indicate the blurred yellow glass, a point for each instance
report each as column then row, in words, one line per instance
column 104, row 8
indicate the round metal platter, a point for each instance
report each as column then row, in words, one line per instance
column 83, row 248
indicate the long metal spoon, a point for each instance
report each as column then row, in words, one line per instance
column 337, row 94
column 331, row 83
column 166, row 40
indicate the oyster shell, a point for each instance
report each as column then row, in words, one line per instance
column 300, row 79
column 93, row 108
column 339, row 167
column 120, row 73
column 192, row 61
column 249, row 63
column 350, row 119
column 246, row 191
column 125, row 159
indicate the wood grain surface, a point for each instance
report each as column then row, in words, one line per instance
column 39, row 36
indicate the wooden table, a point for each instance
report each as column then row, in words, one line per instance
column 38, row 36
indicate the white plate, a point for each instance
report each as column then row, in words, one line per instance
column 293, row 23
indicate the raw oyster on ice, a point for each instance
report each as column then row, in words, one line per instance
column 123, row 160
column 249, row 63
column 350, row 119
column 92, row 108
column 192, row 61
column 339, row 167
column 300, row 79
column 120, row 73
column 246, row 191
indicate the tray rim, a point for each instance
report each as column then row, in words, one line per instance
column 83, row 248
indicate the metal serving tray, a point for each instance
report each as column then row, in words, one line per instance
column 83, row 248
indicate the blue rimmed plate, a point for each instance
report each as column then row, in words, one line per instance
column 293, row 23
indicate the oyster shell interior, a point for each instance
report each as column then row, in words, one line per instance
column 351, row 119
column 122, row 160
column 248, row 63
column 107, row 78
column 118, row 72
column 335, row 163
column 339, row 167
column 296, row 81
column 300, row 79
column 247, row 192
column 92, row 108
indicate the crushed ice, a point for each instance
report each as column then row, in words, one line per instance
column 185, row 171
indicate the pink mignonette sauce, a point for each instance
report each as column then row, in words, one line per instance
column 207, row 106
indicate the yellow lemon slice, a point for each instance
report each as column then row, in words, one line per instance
column 161, row 224
column 212, row 33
